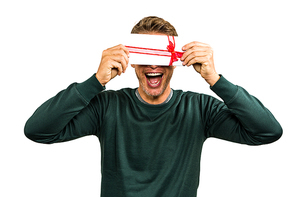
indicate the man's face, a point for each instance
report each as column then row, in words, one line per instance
column 154, row 80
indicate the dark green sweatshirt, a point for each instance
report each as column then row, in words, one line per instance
column 152, row 150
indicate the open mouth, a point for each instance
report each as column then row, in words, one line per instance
column 154, row 79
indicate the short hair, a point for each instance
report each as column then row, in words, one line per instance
column 154, row 24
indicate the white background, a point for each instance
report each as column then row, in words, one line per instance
column 47, row 45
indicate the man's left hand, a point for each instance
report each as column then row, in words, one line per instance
column 200, row 55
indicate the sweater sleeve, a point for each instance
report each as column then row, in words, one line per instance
column 66, row 116
column 242, row 118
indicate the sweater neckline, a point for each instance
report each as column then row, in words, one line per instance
column 154, row 111
column 142, row 100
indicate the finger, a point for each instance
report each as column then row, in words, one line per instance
column 116, row 65
column 197, row 67
column 113, row 63
column 121, row 48
column 194, row 43
column 124, row 65
column 114, row 73
column 116, row 50
column 194, row 54
column 122, row 59
column 198, row 52
column 198, row 60
column 124, row 52
column 192, row 50
column 125, row 61
column 118, row 54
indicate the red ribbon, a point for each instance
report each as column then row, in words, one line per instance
column 170, row 52
column 171, row 48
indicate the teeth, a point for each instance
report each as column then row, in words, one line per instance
column 153, row 74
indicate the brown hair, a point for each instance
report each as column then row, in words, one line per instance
column 154, row 24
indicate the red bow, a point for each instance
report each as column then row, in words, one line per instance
column 170, row 52
column 171, row 48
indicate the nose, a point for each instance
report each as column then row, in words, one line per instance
column 153, row 66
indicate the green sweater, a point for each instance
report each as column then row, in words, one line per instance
column 152, row 150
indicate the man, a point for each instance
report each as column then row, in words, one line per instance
column 152, row 137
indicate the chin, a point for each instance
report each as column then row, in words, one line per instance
column 153, row 92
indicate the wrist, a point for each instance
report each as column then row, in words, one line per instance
column 211, row 80
column 100, row 80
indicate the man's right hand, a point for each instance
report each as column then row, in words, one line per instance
column 114, row 62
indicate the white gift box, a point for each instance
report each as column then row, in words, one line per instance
column 148, row 49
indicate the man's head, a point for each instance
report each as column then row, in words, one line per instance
column 154, row 81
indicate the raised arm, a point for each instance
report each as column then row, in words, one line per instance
column 73, row 112
column 241, row 118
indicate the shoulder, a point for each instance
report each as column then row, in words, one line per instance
column 121, row 92
column 189, row 95
column 113, row 95
column 196, row 100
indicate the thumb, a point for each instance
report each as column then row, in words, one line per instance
column 114, row 72
column 197, row 67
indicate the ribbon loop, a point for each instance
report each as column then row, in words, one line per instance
column 171, row 48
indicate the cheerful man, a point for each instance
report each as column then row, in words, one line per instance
column 152, row 136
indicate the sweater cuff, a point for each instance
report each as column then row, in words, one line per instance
column 90, row 88
column 224, row 89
